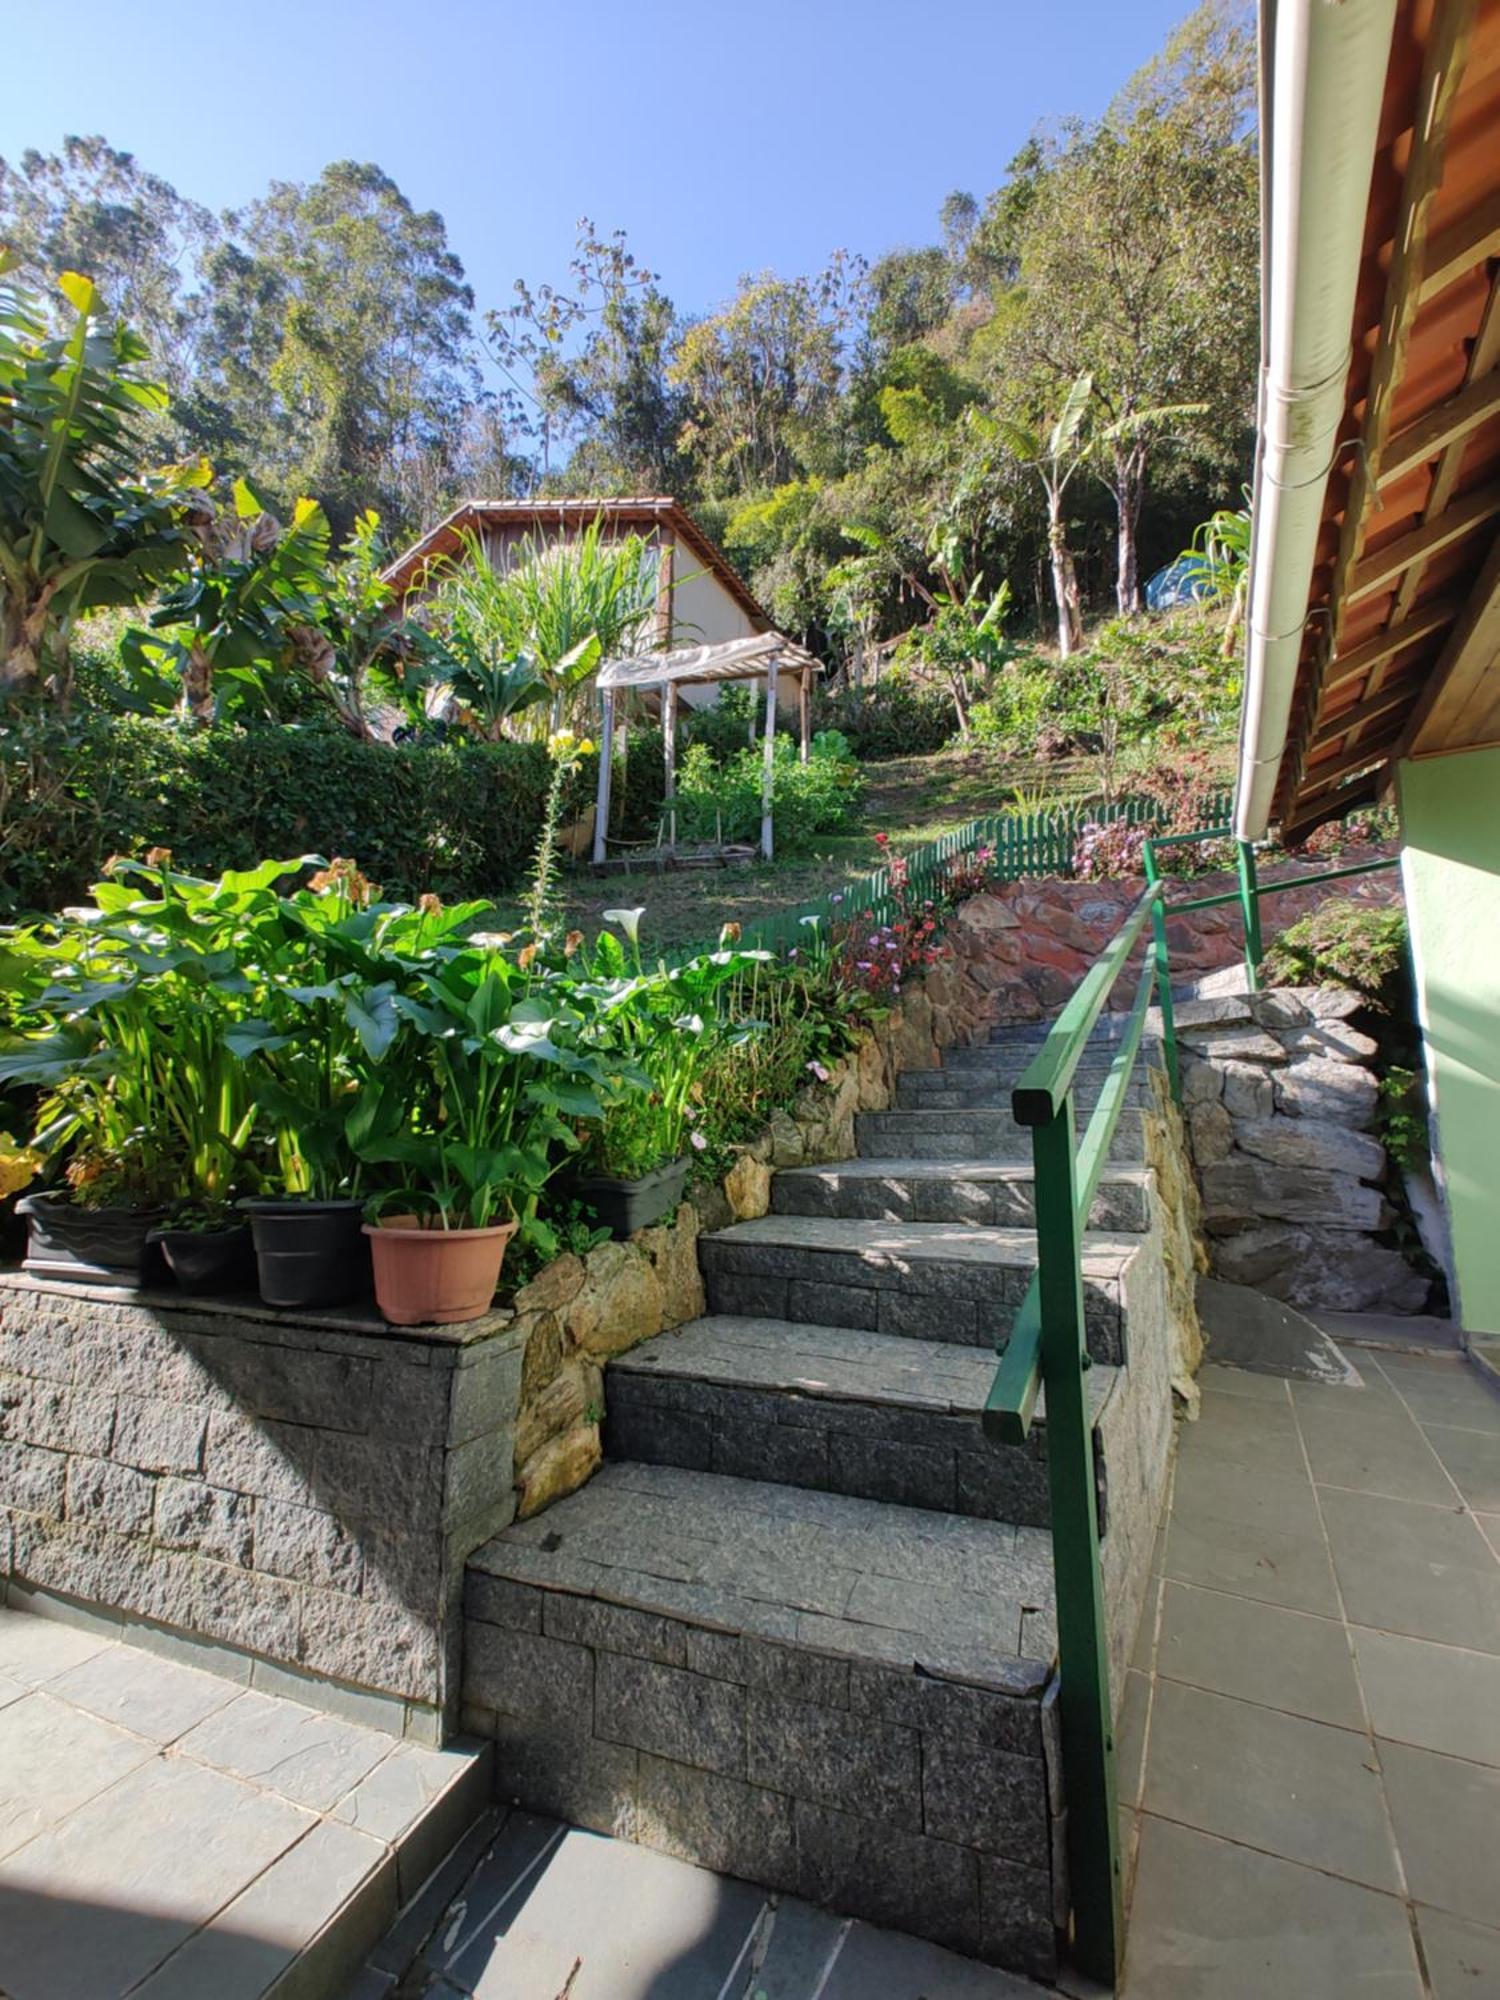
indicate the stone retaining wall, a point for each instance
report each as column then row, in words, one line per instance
column 1281, row 1099
column 302, row 1490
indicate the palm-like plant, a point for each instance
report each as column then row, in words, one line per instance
column 549, row 605
column 80, row 527
column 1054, row 456
column 1217, row 561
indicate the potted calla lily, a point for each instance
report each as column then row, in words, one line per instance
column 637, row 1162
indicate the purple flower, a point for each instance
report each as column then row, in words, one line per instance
column 861, row 965
column 698, row 1143
column 837, row 897
column 818, row 1071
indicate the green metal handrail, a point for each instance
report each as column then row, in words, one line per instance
column 1046, row 1352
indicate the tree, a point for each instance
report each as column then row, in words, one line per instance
column 338, row 347
column 80, row 528
column 93, row 208
column 1054, row 456
column 762, row 377
column 607, row 389
column 1137, row 265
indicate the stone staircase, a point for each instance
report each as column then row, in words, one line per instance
column 800, row 1626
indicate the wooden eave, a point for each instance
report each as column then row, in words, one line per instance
column 1401, row 649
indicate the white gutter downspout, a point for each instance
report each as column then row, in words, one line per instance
column 1323, row 67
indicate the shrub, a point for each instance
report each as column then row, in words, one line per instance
column 897, row 718
column 450, row 817
column 724, row 800
column 1011, row 713
column 1347, row 943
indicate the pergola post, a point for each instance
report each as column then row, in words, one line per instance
column 669, row 755
column 804, row 713
column 768, row 766
column 606, row 762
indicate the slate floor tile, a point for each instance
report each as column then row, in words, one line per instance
column 884, row 1963
column 1439, row 1390
column 1130, row 1737
column 310, row 1758
column 90, row 1907
column 1471, row 1460
column 151, row 1696
column 1259, row 1652
column 1427, row 1571
column 34, row 1650
column 1275, row 1563
column 1215, row 1922
column 1463, row 1959
column 1437, row 1697
column 1446, row 1812
column 1214, row 1379
column 256, row 1937
column 1373, row 1448
column 1276, row 1782
column 52, row 1759
column 1252, row 1495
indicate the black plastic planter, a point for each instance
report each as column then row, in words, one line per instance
column 209, row 1260
column 309, row 1253
column 108, row 1245
column 626, row 1206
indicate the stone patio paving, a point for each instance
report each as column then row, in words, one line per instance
column 1310, row 1756
column 170, row 1833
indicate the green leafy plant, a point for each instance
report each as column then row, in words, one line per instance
column 80, row 526
column 1345, row 942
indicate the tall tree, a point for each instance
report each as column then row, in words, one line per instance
column 1137, row 265
column 338, row 347
column 93, row 209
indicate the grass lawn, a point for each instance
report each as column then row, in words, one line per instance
column 910, row 799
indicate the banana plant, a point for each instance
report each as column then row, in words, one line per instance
column 80, row 526
column 1054, row 456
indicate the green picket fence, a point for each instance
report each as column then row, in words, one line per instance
column 1024, row 844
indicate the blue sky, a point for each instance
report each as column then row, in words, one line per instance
column 723, row 139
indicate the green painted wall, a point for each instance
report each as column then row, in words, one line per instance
column 1450, row 811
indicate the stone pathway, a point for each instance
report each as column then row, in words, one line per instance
column 549, row 1911
column 169, row 1833
column 1310, row 1751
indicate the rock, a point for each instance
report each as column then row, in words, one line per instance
column 207, row 1519
column 1329, row 1003
column 543, row 1352
column 1314, row 1087
column 677, row 1270
column 1280, row 1007
column 1227, row 979
column 1247, row 1091
column 621, row 1301
column 1211, row 1131
column 1015, row 1002
column 710, row 1204
column 787, row 1144
column 986, row 913
column 1334, row 1039
column 1202, row 1082
column 559, row 1407
column 1234, row 1045
column 1312, row 1142
column 912, row 1046
column 1329, row 1270
column 1226, row 1012
column 559, row 1468
column 553, row 1286
column 1244, row 1192
column 747, row 1186
column 1051, row 987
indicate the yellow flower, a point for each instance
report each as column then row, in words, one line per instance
column 18, row 1165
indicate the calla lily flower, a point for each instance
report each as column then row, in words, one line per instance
column 629, row 922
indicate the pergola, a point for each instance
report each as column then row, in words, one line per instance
column 764, row 657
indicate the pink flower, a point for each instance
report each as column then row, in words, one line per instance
column 698, row 1143
column 818, row 1071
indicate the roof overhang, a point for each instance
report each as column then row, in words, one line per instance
column 729, row 660
column 654, row 517
column 1388, row 645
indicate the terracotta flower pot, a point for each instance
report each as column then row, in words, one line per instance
column 435, row 1276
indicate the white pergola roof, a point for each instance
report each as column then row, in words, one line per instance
column 729, row 660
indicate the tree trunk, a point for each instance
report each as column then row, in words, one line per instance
column 1064, row 580
column 21, row 628
column 960, row 695
column 1130, row 484
column 198, row 686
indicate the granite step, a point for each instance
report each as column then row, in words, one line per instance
column 834, row 1409
column 1015, row 1055
column 996, row 1194
column 973, row 1090
column 838, row 1698
column 974, row 1134
column 952, row 1282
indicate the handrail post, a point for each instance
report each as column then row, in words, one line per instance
column 1250, row 906
column 1163, row 972
column 1082, row 1633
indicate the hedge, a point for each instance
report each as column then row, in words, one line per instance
column 455, row 818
